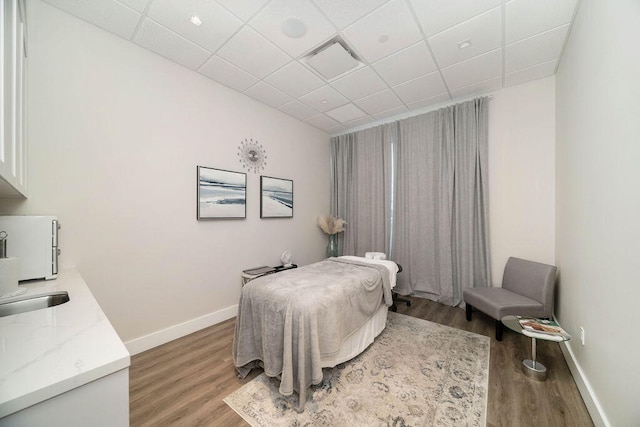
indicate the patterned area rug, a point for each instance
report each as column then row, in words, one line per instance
column 416, row 373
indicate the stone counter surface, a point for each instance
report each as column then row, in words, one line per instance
column 47, row 352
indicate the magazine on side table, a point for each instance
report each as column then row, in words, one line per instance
column 543, row 328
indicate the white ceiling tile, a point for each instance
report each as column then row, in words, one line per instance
column 217, row 24
column 524, row 18
column 420, row 88
column 430, row 102
column 484, row 32
column 357, row 122
column 294, row 80
column 324, row 99
column 106, row 14
column 407, row 73
column 253, row 53
column 346, row 113
column 359, row 84
column 269, row 22
column 529, row 74
column 220, row 70
column 343, row 13
column 381, row 101
column 172, row 46
column 392, row 21
column 473, row 70
column 535, row 50
column 244, row 9
column 298, row 110
column 138, row 5
column 268, row 94
column 337, row 130
column 438, row 15
column 478, row 88
column 322, row 122
column 406, row 65
column 390, row 113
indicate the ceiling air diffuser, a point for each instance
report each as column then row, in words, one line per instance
column 332, row 61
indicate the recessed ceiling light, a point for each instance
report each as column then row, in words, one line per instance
column 465, row 44
column 294, row 28
column 195, row 20
column 383, row 38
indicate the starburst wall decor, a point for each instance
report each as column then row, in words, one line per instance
column 252, row 155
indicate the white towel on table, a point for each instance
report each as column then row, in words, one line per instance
column 375, row 255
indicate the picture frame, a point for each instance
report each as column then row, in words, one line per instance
column 222, row 194
column 276, row 197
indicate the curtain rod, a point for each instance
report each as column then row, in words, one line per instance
column 407, row 115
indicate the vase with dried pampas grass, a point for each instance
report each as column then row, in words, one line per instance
column 331, row 225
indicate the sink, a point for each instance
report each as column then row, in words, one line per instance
column 32, row 302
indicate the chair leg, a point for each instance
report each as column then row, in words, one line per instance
column 396, row 299
column 498, row 330
column 468, row 310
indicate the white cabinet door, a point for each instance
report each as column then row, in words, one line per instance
column 101, row 403
column 13, row 66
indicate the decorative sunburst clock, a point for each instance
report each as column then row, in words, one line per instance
column 252, row 155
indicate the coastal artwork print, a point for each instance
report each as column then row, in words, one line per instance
column 276, row 197
column 221, row 194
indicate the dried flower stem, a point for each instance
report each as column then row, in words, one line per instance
column 331, row 224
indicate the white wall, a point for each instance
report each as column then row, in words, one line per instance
column 521, row 174
column 598, row 204
column 115, row 135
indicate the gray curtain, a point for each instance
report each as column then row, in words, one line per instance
column 440, row 232
column 424, row 199
column 434, row 221
column 361, row 188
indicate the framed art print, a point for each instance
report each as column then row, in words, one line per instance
column 276, row 197
column 221, row 194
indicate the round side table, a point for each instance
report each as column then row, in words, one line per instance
column 531, row 367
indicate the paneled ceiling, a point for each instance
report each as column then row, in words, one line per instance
column 407, row 55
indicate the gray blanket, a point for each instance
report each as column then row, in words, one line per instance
column 289, row 321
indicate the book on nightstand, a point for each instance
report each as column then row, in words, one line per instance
column 256, row 271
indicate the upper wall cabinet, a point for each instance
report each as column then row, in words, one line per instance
column 13, row 67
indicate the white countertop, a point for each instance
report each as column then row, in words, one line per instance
column 46, row 352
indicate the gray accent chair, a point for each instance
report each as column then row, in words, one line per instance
column 527, row 290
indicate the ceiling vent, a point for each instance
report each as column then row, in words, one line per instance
column 333, row 59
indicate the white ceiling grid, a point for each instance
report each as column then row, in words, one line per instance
column 415, row 53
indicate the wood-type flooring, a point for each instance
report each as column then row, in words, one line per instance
column 183, row 382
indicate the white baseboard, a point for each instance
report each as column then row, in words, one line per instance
column 590, row 400
column 154, row 339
